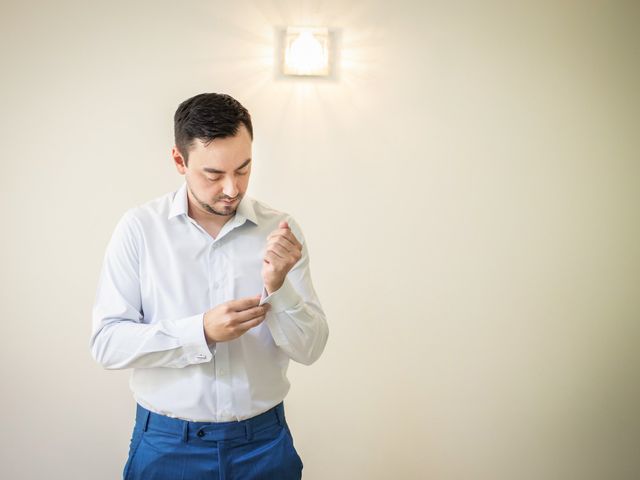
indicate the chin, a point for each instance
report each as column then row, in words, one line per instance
column 226, row 209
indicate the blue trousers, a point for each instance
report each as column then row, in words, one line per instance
column 165, row 448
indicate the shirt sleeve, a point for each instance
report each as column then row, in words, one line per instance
column 120, row 338
column 296, row 319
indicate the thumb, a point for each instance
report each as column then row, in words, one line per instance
column 283, row 224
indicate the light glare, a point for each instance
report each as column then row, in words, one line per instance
column 306, row 51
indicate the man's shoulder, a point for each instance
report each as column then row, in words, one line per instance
column 271, row 217
column 153, row 210
column 264, row 211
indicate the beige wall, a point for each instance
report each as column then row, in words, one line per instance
column 469, row 188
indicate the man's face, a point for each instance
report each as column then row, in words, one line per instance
column 217, row 172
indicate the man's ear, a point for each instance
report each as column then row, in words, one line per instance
column 178, row 159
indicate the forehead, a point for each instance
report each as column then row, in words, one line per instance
column 222, row 153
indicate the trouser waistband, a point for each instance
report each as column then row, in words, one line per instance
column 213, row 431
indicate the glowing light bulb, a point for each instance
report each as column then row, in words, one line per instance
column 306, row 51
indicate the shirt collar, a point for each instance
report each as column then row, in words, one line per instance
column 179, row 206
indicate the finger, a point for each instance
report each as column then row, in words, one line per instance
column 243, row 327
column 251, row 313
column 286, row 234
column 281, row 232
column 289, row 235
column 278, row 250
column 286, row 242
column 273, row 259
column 244, row 303
column 283, row 224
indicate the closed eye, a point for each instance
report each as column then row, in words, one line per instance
column 215, row 179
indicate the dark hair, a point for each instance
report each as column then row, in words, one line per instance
column 208, row 116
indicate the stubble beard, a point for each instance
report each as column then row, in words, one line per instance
column 231, row 210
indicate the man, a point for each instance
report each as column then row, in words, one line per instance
column 206, row 294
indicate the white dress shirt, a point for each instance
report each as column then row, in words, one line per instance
column 162, row 272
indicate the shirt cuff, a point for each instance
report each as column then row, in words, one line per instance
column 194, row 342
column 285, row 298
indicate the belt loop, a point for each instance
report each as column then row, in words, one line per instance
column 145, row 420
column 248, row 431
column 185, row 431
column 279, row 415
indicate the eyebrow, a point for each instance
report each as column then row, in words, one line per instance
column 214, row 170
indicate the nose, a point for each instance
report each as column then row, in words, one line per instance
column 230, row 188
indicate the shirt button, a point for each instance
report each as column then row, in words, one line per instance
column 200, row 433
column 221, row 373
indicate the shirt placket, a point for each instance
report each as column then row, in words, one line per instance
column 218, row 294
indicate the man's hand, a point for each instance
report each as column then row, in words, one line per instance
column 231, row 319
column 282, row 252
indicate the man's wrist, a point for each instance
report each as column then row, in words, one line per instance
column 207, row 338
column 273, row 288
